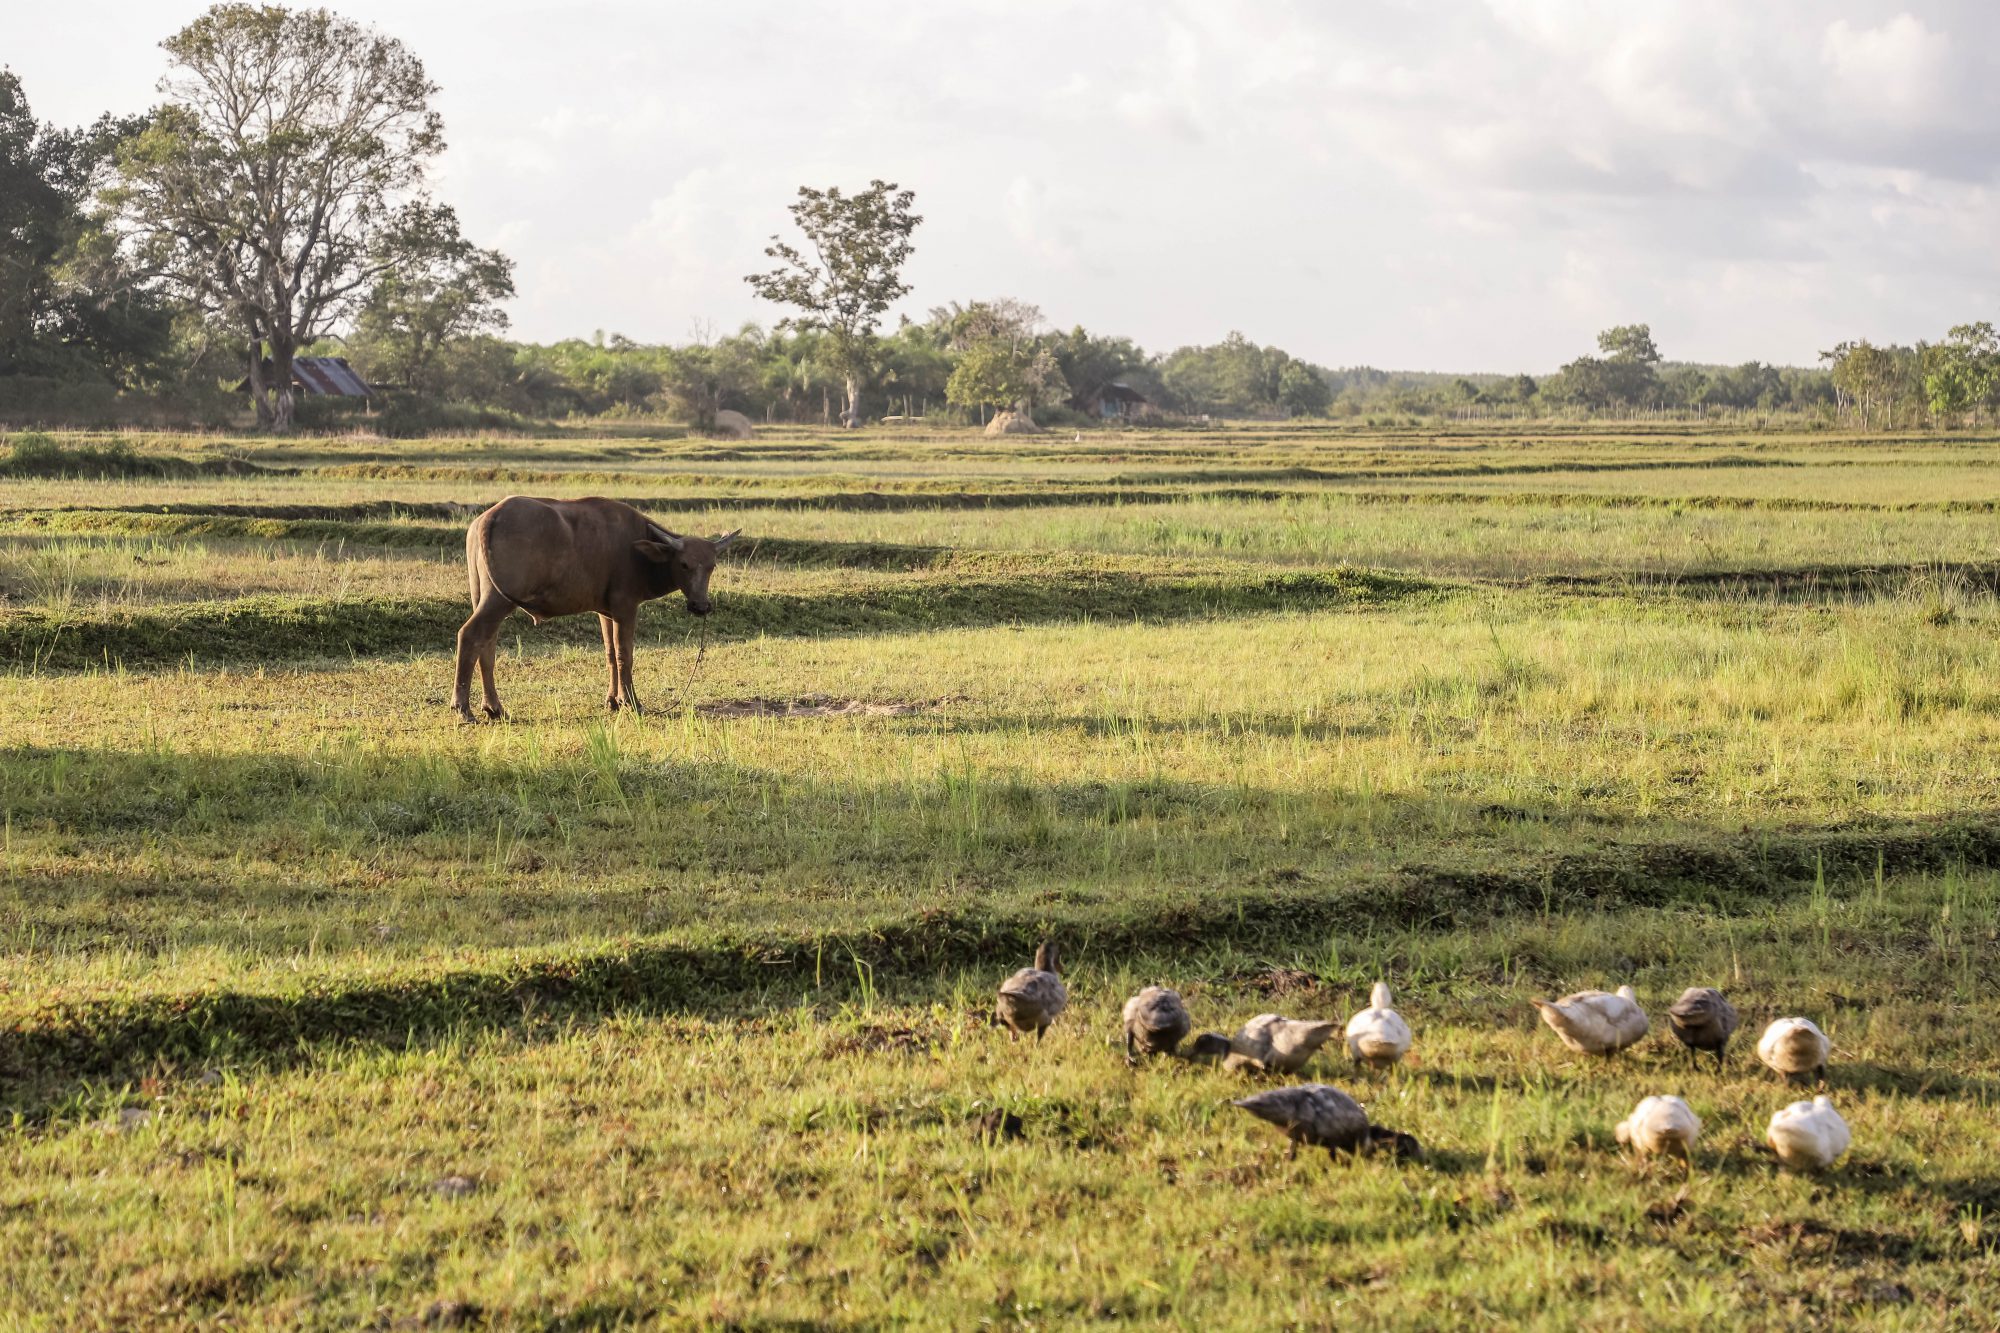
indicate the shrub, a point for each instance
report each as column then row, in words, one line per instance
column 409, row 417
column 1055, row 417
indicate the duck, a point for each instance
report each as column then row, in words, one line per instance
column 1209, row 1048
column 1809, row 1136
column 1281, row 1045
column 1660, row 1125
column 1156, row 1022
column 1031, row 999
column 1377, row 1036
column 1593, row 1023
column 1703, row 1021
column 1795, row 1046
column 1325, row 1117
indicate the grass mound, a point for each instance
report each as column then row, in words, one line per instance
column 35, row 455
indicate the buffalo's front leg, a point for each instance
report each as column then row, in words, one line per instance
column 475, row 646
column 605, row 626
column 623, row 626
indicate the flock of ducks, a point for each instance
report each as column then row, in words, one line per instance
column 1806, row 1135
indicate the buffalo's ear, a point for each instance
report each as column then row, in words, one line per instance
column 719, row 542
column 658, row 552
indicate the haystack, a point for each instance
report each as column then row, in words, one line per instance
column 1013, row 423
column 732, row 425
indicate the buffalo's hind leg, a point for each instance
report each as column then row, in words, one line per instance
column 475, row 646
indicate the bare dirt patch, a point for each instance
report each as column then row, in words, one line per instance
column 816, row 705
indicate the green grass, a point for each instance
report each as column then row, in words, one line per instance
column 695, row 1001
column 379, row 616
column 812, row 1151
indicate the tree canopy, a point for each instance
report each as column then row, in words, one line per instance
column 1236, row 377
column 289, row 154
column 1003, row 358
column 436, row 288
column 69, row 306
column 858, row 244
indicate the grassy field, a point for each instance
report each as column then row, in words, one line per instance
column 320, row 1010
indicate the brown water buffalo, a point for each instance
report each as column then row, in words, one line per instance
column 564, row 557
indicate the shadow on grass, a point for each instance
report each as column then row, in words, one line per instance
column 52, row 1053
column 1799, row 585
column 447, row 540
column 1866, row 1076
column 762, row 494
column 981, row 591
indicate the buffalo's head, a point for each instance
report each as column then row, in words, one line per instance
column 682, row 564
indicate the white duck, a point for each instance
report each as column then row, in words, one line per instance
column 1660, row 1125
column 1377, row 1036
column 1795, row 1046
column 1280, row 1045
column 1809, row 1136
column 1593, row 1023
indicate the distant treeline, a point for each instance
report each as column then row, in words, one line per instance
column 782, row 377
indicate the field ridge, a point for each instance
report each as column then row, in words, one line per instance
column 48, row 1052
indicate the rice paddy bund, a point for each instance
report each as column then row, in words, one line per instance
column 321, row 1010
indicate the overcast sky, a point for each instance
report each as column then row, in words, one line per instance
column 1435, row 185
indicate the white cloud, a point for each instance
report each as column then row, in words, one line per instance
column 1459, row 184
column 1037, row 224
column 1900, row 68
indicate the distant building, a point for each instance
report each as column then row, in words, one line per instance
column 1117, row 401
column 319, row 377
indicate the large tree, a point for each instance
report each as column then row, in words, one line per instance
column 291, row 148
column 857, row 246
column 441, row 288
column 69, row 307
column 1962, row 372
column 1237, row 377
column 1302, row 390
column 1626, row 375
column 708, row 373
column 1878, row 384
column 1089, row 362
column 1003, row 359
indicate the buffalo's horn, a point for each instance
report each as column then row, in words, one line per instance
column 666, row 537
column 726, row 538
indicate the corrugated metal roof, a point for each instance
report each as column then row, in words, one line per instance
column 320, row 377
column 328, row 376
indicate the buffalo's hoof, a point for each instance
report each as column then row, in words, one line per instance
column 611, row 704
column 494, row 711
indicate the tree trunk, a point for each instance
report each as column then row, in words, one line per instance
column 283, row 399
column 852, row 416
column 260, row 396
